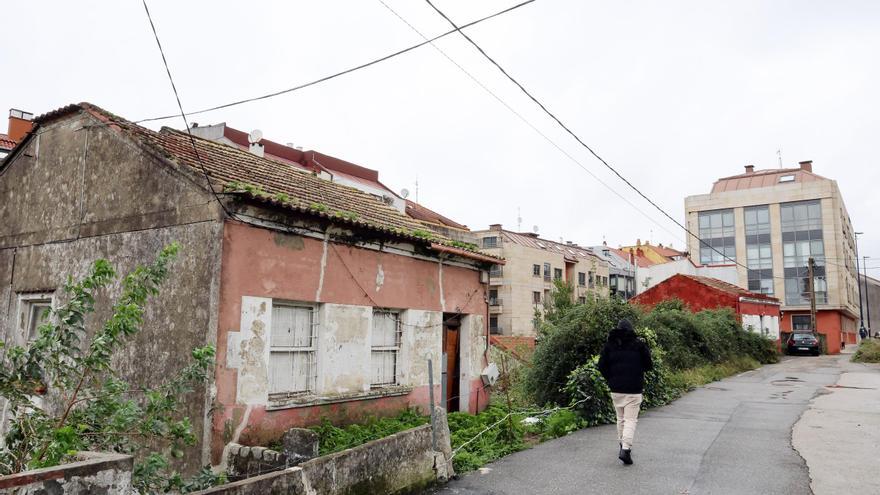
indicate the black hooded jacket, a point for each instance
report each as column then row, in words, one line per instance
column 625, row 360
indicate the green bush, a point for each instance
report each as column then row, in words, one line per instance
column 568, row 339
column 561, row 423
column 564, row 369
column 334, row 439
column 868, row 352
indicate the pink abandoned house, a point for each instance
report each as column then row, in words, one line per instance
column 322, row 300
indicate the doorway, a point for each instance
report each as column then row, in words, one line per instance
column 452, row 346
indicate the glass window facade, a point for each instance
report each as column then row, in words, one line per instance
column 802, row 239
column 717, row 237
column 759, row 257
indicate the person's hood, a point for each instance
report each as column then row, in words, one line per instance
column 623, row 331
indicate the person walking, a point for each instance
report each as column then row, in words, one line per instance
column 623, row 363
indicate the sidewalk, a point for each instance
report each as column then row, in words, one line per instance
column 839, row 434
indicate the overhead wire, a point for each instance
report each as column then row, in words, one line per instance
column 526, row 121
column 340, row 73
column 577, row 138
column 183, row 114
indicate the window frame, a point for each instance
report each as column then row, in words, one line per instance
column 311, row 352
column 536, row 297
column 536, row 270
column 490, row 244
column 27, row 303
column 385, row 349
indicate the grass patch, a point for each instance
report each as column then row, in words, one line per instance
column 689, row 379
column 868, row 352
column 334, row 439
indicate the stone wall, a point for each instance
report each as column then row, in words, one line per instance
column 401, row 463
column 93, row 472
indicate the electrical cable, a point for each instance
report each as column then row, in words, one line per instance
column 337, row 74
column 528, row 123
column 575, row 136
column 183, row 114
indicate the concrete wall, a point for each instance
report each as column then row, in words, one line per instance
column 871, row 297
column 343, row 284
column 403, row 462
column 93, row 472
column 77, row 191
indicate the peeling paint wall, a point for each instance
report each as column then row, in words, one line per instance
column 265, row 267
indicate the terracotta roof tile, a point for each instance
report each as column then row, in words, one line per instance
column 6, row 144
column 727, row 287
column 271, row 181
column 420, row 212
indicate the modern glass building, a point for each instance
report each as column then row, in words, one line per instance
column 769, row 223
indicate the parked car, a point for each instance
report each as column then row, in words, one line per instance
column 803, row 343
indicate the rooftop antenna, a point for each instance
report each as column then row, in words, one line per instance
column 535, row 229
column 779, row 155
column 404, row 193
column 518, row 220
column 417, row 189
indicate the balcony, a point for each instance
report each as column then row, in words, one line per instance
column 496, row 305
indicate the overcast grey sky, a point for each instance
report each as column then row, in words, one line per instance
column 674, row 94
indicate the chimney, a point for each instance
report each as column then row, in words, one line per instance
column 20, row 123
column 750, row 169
column 806, row 166
column 257, row 149
column 495, row 226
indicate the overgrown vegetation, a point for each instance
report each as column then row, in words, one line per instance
column 334, row 439
column 868, row 352
column 64, row 395
column 564, row 369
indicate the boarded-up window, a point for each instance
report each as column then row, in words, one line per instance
column 384, row 349
column 292, row 366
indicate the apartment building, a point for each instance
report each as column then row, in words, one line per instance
column 769, row 223
column 532, row 265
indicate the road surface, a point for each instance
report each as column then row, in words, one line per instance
column 729, row 437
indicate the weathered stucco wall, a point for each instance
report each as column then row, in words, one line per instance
column 344, row 283
column 76, row 192
column 93, row 472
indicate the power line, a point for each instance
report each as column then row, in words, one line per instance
column 182, row 114
column 575, row 136
column 526, row 121
column 335, row 75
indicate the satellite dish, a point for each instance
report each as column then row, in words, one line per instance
column 255, row 136
column 404, row 193
column 535, row 229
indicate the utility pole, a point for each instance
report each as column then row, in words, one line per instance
column 867, row 300
column 859, row 284
column 812, row 288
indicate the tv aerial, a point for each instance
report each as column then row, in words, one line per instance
column 404, row 193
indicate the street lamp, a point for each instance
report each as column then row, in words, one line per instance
column 859, row 283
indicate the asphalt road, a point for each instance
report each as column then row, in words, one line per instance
column 730, row 437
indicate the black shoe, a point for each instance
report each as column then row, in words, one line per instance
column 625, row 456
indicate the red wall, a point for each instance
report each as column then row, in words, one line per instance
column 831, row 324
column 696, row 295
column 264, row 263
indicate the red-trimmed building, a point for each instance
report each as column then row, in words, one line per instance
column 758, row 312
